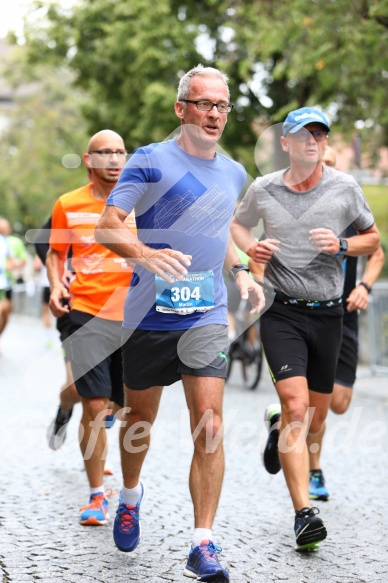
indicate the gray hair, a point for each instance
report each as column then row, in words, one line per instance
column 184, row 86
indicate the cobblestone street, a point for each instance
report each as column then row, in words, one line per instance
column 42, row 490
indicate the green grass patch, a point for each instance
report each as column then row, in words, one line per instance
column 377, row 197
column 384, row 244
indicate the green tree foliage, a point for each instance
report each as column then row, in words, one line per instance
column 327, row 52
column 44, row 126
column 128, row 56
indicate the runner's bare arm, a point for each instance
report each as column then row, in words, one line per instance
column 113, row 234
column 259, row 251
column 248, row 288
column 364, row 243
column 55, row 263
column 359, row 297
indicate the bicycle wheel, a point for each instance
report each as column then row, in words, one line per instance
column 251, row 368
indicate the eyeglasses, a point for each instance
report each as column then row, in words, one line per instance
column 303, row 135
column 109, row 153
column 205, row 105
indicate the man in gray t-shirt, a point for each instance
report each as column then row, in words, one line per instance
column 305, row 209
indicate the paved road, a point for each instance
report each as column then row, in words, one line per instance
column 41, row 491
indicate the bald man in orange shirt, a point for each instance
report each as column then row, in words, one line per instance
column 96, row 295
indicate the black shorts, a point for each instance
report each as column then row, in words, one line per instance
column 159, row 358
column 300, row 341
column 8, row 294
column 45, row 295
column 64, row 327
column 95, row 355
column 348, row 356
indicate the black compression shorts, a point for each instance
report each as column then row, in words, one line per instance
column 348, row 357
column 300, row 341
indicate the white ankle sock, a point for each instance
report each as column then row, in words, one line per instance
column 97, row 490
column 131, row 495
column 199, row 535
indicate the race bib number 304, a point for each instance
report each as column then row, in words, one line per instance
column 194, row 293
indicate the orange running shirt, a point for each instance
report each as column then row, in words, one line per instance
column 101, row 277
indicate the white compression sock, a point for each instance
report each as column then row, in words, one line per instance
column 97, row 490
column 199, row 535
column 130, row 496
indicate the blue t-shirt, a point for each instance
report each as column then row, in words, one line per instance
column 184, row 203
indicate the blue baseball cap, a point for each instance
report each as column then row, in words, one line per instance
column 296, row 120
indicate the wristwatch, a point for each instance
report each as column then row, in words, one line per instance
column 236, row 269
column 366, row 286
column 343, row 247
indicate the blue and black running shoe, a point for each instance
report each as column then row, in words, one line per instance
column 309, row 529
column 126, row 528
column 317, row 488
column 203, row 564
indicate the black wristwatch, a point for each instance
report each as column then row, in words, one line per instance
column 366, row 286
column 236, row 269
column 343, row 247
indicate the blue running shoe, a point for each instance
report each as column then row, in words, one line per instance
column 96, row 512
column 203, row 564
column 109, row 421
column 126, row 528
column 317, row 488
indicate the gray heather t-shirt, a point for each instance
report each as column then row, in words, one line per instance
column 298, row 270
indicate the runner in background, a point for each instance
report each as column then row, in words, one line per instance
column 304, row 208
column 14, row 270
column 355, row 297
column 68, row 395
column 5, row 262
column 97, row 293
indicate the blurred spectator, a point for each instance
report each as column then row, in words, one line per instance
column 13, row 269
